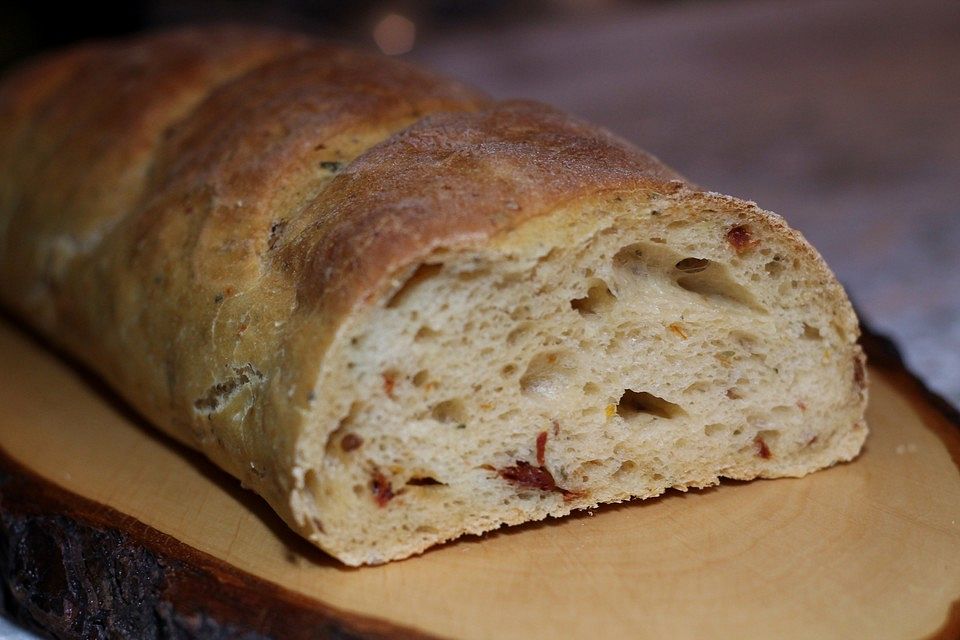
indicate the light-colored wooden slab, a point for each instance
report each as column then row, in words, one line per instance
column 869, row 549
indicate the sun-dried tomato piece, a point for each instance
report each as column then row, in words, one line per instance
column 382, row 491
column 541, row 447
column 741, row 239
column 525, row 474
column 762, row 449
column 389, row 381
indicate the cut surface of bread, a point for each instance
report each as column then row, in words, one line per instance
column 398, row 310
column 655, row 343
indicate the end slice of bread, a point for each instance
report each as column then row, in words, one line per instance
column 616, row 348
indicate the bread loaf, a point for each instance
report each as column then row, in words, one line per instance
column 399, row 310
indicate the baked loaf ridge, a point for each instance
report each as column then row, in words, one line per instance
column 398, row 310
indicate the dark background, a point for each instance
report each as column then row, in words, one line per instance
column 842, row 115
column 36, row 26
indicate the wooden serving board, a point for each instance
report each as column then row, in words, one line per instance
column 110, row 529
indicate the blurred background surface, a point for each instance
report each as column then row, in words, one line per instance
column 842, row 115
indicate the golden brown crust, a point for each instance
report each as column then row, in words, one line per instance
column 91, row 139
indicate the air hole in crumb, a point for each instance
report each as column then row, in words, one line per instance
column 630, row 259
column 636, row 403
column 548, row 374
column 715, row 284
column 598, row 299
column 425, row 333
column 509, row 280
column 450, row 411
column 734, row 394
column 518, row 333
column 426, row 529
column 425, row 481
column 472, row 275
column 509, row 414
column 811, row 333
column 359, row 490
column 520, row 312
column 344, row 428
column 508, row 370
column 774, row 267
column 745, row 339
column 692, row 265
column 588, row 467
column 590, row 389
column 770, row 436
column 627, row 468
column 420, row 378
column 422, row 274
column 713, row 429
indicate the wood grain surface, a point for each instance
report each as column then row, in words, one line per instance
column 108, row 525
